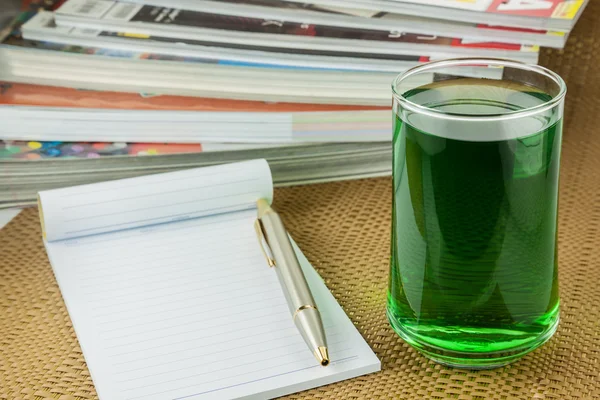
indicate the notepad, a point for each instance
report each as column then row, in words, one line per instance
column 171, row 297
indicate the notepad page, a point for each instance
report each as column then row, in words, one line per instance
column 190, row 310
column 128, row 203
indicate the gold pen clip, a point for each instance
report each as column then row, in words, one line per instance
column 264, row 246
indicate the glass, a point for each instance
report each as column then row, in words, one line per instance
column 473, row 276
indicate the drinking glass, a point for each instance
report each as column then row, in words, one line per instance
column 473, row 276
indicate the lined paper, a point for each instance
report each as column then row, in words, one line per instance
column 128, row 203
column 189, row 309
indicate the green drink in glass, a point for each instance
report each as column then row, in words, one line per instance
column 473, row 277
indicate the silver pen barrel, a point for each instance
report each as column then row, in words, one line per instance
column 301, row 303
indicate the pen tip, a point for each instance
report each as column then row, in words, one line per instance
column 322, row 355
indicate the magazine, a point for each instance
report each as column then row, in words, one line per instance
column 34, row 150
column 561, row 9
column 42, row 28
column 53, row 96
column 290, row 165
column 533, row 14
column 311, row 45
column 282, row 17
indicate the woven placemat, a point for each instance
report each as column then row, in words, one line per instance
column 343, row 228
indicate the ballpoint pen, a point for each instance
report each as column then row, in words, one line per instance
column 278, row 250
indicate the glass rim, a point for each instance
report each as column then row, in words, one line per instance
column 454, row 62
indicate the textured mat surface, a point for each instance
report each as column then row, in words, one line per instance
column 343, row 228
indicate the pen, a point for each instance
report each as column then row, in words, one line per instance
column 278, row 250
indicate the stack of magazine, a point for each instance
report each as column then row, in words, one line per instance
column 95, row 90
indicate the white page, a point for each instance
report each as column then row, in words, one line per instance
column 154, row 199
column 190, row 310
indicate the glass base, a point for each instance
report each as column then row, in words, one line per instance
column 470, row 360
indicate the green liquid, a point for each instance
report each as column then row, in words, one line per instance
column 473, row 278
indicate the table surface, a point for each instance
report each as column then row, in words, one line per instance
column 344, row 230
